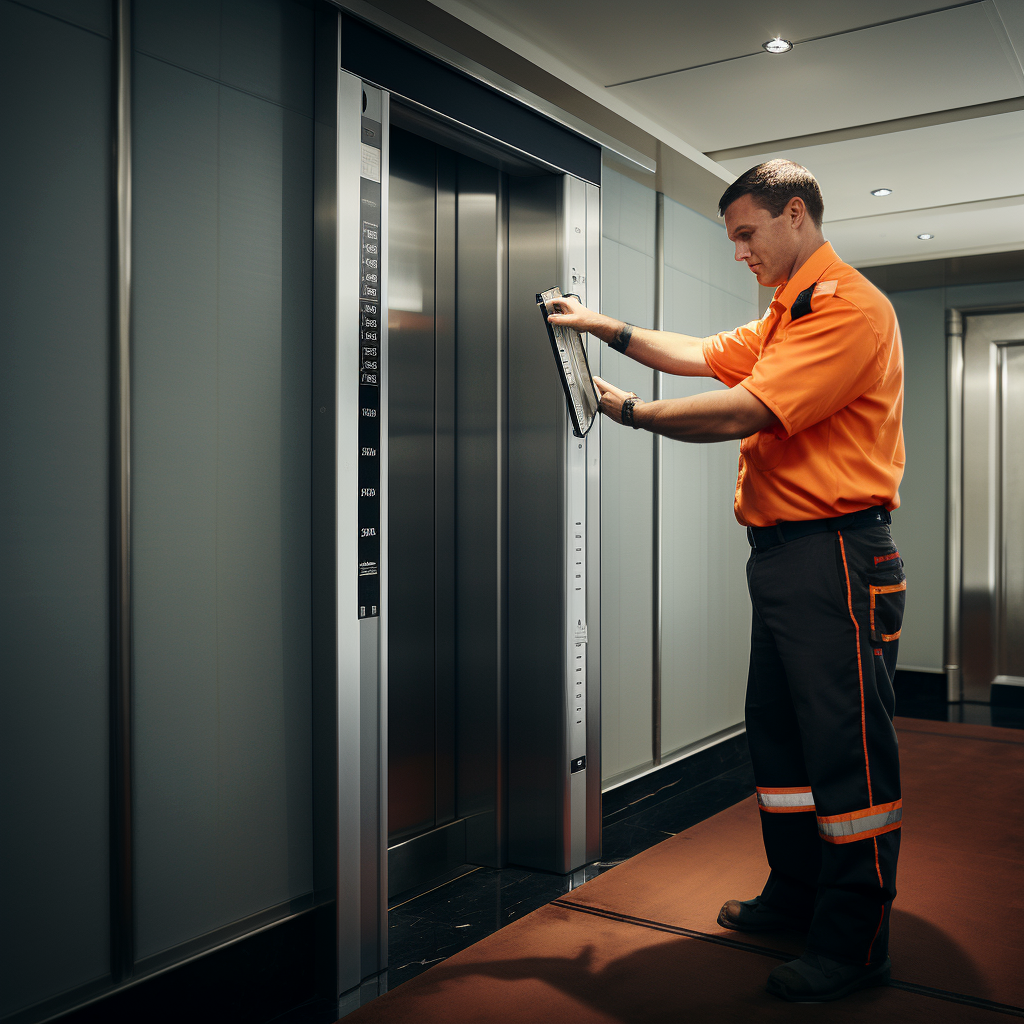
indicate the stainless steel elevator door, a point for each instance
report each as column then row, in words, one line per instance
column 992, row 599
column 420, row 704
column 446, row 371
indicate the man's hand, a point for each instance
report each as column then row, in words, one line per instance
column 611, row 399
column 572, row 313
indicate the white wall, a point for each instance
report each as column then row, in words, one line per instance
column 706, row 610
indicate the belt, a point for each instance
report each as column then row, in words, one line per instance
column 763, row 537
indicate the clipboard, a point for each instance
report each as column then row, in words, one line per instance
column 570, row 352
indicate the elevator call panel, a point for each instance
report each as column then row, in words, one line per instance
column 573, row 369
column 369, row 368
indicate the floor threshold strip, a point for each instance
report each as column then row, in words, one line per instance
column 749, row 947
column 672, row 929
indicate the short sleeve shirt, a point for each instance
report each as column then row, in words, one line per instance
column 827, row 359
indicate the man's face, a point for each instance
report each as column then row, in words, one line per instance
column 767, row 244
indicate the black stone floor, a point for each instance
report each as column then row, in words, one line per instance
column 429, row 928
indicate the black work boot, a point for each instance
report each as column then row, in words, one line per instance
column 755, row 916
column 816, row 979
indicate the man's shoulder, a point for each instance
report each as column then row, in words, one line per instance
column 844, row 287
column 856, row 289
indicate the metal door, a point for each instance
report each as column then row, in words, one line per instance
column 991, row 628
column 420, row 695
column 446, row 326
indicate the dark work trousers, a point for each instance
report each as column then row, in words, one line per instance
column 827, row 615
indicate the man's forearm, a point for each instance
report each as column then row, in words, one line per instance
column 661, row 350
column 677, row 354
column 701, row 419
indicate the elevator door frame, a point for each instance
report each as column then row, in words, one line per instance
column 350, row 696
column 976, row 549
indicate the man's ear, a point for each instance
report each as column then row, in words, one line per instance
column 796, row 210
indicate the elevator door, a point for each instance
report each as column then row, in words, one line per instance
column 446, row 369
column 992, row 601
column 421, row 710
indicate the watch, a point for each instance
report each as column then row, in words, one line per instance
column 627, row 412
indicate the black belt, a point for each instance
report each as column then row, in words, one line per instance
column 762, row 537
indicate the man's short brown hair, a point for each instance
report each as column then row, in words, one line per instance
column 772, row 184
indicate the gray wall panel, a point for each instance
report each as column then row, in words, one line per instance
column 267, row 49
column 223, row 244
column 54, row 358
column 919, row 524
column 264, row 47
column 94, row 15
column 185, row 33
column 174, row 499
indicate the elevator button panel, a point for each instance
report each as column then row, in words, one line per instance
column 370, row 360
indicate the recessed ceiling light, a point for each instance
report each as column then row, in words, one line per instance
column 777, row 45
column 925, row 236
column 881, row 191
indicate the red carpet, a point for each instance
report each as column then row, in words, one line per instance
column 641, row 943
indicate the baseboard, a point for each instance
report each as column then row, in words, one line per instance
column 1006, row 695
column 253, row 979
column 676, row 777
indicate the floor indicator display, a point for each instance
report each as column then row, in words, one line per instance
column 573, row 369
column 369, row 368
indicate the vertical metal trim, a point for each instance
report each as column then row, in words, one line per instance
column 501, row 570
column 122, row 918
column 998, row 603
column 656, row 532
column 593, row 565
column 349, row 636
column 954, row 500
column 573, row 230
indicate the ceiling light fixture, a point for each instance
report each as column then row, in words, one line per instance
column 881, row 191
column 925, row 236
column 777, row 45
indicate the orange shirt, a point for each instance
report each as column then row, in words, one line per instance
column 827, row 359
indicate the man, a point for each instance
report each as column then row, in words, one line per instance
column 815, row 390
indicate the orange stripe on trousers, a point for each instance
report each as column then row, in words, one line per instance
column 860, row 673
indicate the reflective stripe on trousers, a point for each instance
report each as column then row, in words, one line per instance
column 862, row 824
column 783, row 801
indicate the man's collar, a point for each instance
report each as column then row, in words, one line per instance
column 816, row 264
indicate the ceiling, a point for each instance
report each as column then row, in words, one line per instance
column 871, row 95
